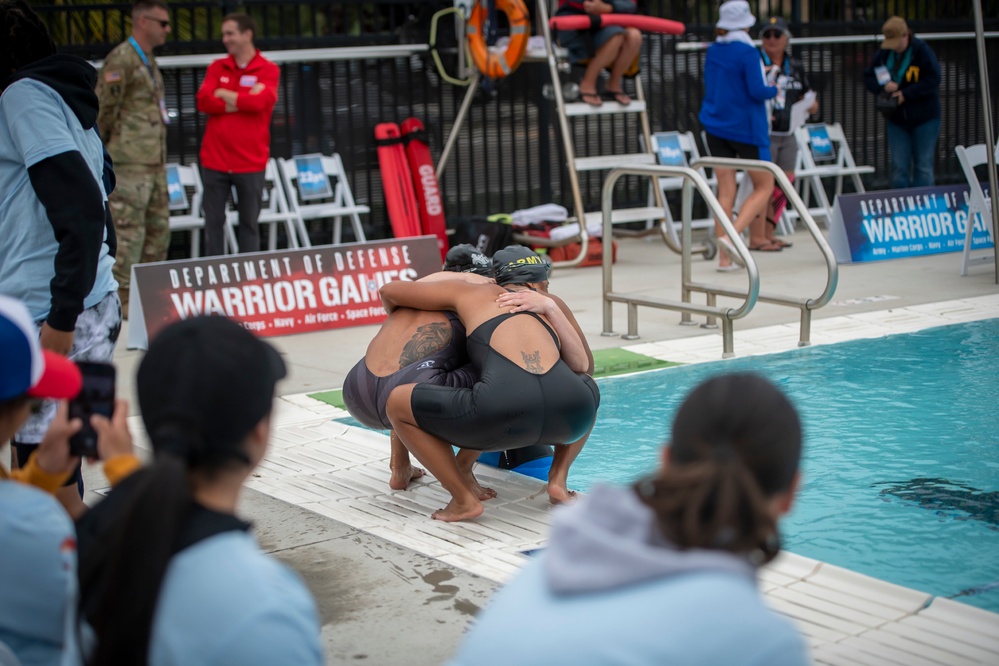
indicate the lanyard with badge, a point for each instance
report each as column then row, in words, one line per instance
column 156, row 86
column 775, row 78
column 883, row 72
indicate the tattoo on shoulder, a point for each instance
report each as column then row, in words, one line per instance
column 532, row 362
column 428, row 339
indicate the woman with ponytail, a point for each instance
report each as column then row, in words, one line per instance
column 168, row 573
column 664, row 572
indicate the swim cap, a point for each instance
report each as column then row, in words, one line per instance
column 465, row 258
column 516, row 264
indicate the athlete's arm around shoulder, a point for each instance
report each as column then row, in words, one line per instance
column 439, row 291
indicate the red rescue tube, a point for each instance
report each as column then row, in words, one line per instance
column 428, row 192
column 643, row 23
column 397, row 182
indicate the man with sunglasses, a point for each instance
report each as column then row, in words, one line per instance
column 132, row 122
column 788, row 74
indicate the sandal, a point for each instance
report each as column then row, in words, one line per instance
column 771, row 246
column 781, row 243
column 618, row 96
column 591, row 98
column 726, row 246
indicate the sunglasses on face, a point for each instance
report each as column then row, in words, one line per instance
column 163, row 23
column 772, row 35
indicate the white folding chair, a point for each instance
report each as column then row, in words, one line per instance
column 185, row 194
column 666, row 145
column 819, row 160
column 315, row 201
column 979, row 206
column 274, row 210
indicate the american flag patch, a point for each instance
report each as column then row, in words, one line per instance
column 111, row 77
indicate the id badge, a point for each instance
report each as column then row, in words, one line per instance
column 882, row 74
column 163, row 112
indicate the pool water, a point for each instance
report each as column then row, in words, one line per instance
column 901, row 462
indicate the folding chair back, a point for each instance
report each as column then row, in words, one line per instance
column 978, row 206
column 318, row 189
column 678, row 149
column 823, row 152
column 185, row 193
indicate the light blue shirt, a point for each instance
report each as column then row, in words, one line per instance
column 35, row 124
column 226, row 603
column 703, row 619
column 38, row 588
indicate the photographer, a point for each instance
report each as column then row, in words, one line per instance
column 905, row 77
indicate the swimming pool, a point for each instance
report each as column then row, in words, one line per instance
column 901, row 460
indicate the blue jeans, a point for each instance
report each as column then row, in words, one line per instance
column 915, row 147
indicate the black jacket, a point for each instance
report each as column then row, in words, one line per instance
column 920, row 83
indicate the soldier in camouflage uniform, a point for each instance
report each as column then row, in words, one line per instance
column 132, row 122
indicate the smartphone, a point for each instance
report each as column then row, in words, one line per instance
column 96, row 397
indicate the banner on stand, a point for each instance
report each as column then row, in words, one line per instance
column 277, row 293
column 894, row 224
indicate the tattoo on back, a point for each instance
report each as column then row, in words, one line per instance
column 532, row 361
column 428, row 339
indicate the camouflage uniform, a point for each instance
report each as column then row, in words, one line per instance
column 132, row 125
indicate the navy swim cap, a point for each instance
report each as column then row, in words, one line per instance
column 516, row 264
column 464, row 258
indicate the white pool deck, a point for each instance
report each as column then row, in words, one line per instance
column 341, row 472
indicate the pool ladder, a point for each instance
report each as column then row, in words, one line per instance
column 693, row 180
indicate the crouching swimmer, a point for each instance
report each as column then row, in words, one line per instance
column 530, row 390
column 415, row 347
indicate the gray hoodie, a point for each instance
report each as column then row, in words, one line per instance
column 609, row 539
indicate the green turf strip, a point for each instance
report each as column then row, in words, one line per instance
column 610, row 362
column 606, row 363
column 334, row 398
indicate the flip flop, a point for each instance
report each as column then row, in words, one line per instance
column 731, row 268
column 726, row 245
column 766, row 247
column 781, row 243
column 618, row 96
column 591, row 98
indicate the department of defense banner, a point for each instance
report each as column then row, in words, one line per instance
column 894, row 224
column 278, row 293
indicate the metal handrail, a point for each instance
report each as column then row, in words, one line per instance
column 695, row 180
column 804, row 305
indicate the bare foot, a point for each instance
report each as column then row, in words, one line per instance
column 473, row 484
column 454, row 512
column 560, row 494
column 403, row 475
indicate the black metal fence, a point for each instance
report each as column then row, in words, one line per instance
column 508, row 155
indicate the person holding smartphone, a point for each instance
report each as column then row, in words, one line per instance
column 168, row 573
column 38, row 557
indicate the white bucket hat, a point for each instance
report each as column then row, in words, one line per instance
column 735, row 15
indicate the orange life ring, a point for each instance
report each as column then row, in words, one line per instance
column 491, row 62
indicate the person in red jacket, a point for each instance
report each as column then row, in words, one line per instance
column 238, row 94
